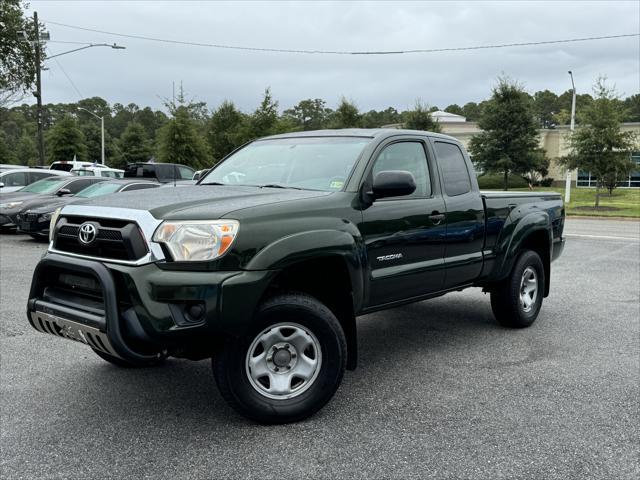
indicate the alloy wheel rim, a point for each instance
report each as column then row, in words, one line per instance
column 283, row 361
column 528, row 289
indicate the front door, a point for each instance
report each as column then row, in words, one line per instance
column 404, row 236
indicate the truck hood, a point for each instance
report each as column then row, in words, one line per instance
column 200, row 202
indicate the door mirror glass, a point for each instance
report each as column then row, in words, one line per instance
column 64, row 191
column 393, row 183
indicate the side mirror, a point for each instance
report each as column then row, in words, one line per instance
column 1, row 185
column 63, row 191
column 393, row 183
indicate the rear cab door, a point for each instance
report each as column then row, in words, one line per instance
column 465, row 214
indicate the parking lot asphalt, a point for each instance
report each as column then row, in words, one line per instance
column 441, row 391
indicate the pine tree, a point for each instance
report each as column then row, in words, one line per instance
column 134, row 145
column 346, row 115
column 223, row 130
column 65, row 140
column 420, row 119
column 508, row 143
column 180, row 142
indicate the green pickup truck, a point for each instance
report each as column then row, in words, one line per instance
column 265, row 264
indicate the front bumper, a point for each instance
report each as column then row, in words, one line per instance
column 135, row 312
column 32, row 226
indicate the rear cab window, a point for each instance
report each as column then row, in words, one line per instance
column 453, row 169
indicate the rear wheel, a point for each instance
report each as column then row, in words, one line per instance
column 517, row 300
column 288, row 366
column 119, row 362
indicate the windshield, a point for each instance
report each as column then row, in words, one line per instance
column 321, row 163
column 97, row 189
column 46, row 185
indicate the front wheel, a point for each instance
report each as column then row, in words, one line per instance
column 517, row 300
column 288, row 366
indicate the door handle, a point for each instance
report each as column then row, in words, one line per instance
column 436, row 217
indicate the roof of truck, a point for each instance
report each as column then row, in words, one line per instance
column 359, row 132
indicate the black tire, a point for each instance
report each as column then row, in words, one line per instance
column 232, row 373
column 119, row 362
column 508, row 309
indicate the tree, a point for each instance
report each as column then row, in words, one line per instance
column 309, row 114
column 346, row 115
column 420, row 119
column 599, row 146
column 223, row 130
column 264, row 120
column 545, row 105
column 632, row 108
column 179, row 140
column 134, row 145
column 65, row 140
column 6, row 153
column 455, row 109
column 26, row 151
column 472, row 111
column 17, row 58
column 508, row 143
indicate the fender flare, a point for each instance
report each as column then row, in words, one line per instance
column 314, row 244
column 511, row 240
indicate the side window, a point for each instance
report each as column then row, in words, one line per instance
column 185, row 173
column 138, row 186
column 453, row 169
column 409, row 156
column 75, row 187
column 39, row 175
column 18, row 179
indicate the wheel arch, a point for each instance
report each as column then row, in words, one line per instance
column 532, row 232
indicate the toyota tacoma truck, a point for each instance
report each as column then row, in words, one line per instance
column 265, row 264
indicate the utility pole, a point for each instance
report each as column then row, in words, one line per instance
column 38, row 93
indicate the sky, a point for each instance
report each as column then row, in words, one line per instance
column 145, row 71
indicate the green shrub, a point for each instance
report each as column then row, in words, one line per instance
column 495, row 182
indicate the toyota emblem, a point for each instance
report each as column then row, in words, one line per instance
column 87, row 233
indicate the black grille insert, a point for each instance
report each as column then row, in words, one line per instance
column 116, row 239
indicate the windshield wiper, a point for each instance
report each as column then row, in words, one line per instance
column 276, row 185
column 214, row 183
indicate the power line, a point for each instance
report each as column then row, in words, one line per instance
column 343, row 52
column 69, row 78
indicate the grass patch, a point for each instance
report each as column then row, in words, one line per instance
column 625, row 202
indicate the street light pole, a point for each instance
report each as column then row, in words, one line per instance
column 101, row 131
column 567, row 187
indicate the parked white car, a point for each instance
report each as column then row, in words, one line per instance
column 14, row 179
column 67, row 166
column 98, row 171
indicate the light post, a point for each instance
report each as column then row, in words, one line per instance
column 567, row 187
column 101, row 131
column 37, row 43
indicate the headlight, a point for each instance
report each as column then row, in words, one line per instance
column 10, row 204
column 196, row 241
column 45, row 217
column 52, row 223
